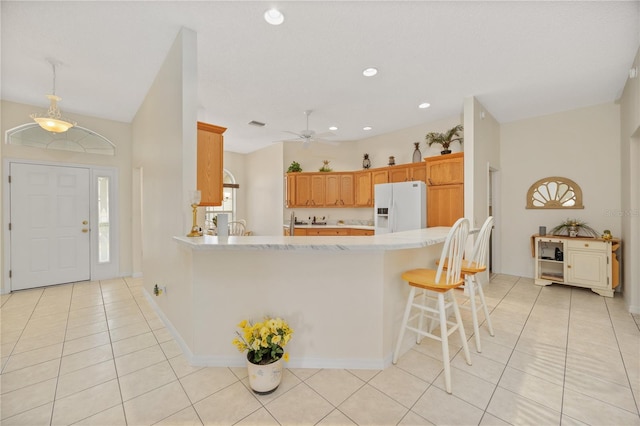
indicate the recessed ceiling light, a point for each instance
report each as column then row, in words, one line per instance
column 424, row 105
column 367, row 128
column 274, row 17
column 370, row 72
column 333, row 128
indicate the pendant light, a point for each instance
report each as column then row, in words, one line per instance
column 52, row 120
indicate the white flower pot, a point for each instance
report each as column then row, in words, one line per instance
column 264, row 379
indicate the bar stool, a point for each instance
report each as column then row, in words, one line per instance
column 440, row 282
column 471, row 269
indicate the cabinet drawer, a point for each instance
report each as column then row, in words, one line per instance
column 587, row 245
column 327, row 232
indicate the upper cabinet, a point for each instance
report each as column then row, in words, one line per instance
column 339, row 190
column 209, row 163
column 346, row 189
column 445, row 189
column 445, row 169
column 408, row 172
column 363, row 189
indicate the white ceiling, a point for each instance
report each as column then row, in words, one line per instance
column 520, row 59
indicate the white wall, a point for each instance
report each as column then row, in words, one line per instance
column 164, row 147
column 265, row 190
column 630, row 188
column 582, row 145
column 15, row 114
column 481, row 151
column 400, row 143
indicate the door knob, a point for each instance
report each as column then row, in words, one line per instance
column 85, row 230
column 84, row 222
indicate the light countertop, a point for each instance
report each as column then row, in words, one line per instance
column 395, row 241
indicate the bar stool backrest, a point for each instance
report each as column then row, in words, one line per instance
column 453, row 251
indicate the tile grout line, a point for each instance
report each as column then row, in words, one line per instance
column 512, row 350
column 615, row 336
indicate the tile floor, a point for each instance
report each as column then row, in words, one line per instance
column 95, row 353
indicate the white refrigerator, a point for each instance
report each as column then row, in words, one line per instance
column 400, row 206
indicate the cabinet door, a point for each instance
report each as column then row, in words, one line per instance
column 317, row 190
column 445, row 204
column 587, row 267
column 357, row 231
column 346, row 190
column 329, row 232
column 332, row 190
column 209, row 163
column 302, row 190
column 364, row 189
column 398, row 174
column 445, row 169
column 291, row 190
column 379, row 176
column 418, row 172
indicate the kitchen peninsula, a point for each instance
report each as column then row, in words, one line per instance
column 343, row 296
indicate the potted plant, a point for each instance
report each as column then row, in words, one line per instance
column 573, row 227
column 445, row 139
column 264, row 342
column 294, row 167
column 325, row 166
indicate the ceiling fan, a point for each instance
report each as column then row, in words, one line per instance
column 307, row 136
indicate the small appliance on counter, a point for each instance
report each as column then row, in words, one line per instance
column 400, row 206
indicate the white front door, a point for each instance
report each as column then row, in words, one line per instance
column 50, row 234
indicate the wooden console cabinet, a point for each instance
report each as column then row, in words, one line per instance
column 581, row 262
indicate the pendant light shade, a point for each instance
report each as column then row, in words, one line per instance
column 52, row 120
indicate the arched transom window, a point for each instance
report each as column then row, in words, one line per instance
column 554, row 193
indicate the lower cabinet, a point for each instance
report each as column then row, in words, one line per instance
column 328, row 232
column 445, row 204
column 582, row 262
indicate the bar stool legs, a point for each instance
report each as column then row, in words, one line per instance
column 446, row 327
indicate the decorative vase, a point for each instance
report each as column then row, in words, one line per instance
column 417, row 155
column 392, row 160
column 266, row 378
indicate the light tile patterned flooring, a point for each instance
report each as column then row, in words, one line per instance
column 95, row 353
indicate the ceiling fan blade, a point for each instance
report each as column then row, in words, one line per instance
column 294, row 133
column 325, row 135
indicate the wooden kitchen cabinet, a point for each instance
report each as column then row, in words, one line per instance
column 408, row 172
column 339, row 190
column 445, row 189
column 318, row 183
column 290, row 200
column 398, row 173
column 445, row 204
column 363, row 194
column 301, row 190
column 357, row 231
column 581, row 262
column 445, row 169
column 379, row 176
column 209, row 163
column 418, row 171
column 323, row 231
column 327, row 232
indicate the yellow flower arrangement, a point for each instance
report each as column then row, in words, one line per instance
column 264, row 340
